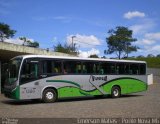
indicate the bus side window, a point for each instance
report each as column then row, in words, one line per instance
column 46, row 66
column 130, row 71
column 71, row 67
column 55, row 70
column 126, row 69
column 57, row 66
column 106, row 68
column 122, row 68
column 117, row 69
column 101, row 71
column 89, row 67
column 134, row 68
column 112, row 68
column 78, row 68
column 84, row 70
column 142, row 69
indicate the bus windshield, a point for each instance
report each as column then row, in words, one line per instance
column 13, row 70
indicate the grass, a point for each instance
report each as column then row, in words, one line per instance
column 152, row 62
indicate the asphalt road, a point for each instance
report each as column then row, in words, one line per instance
column 144, row 104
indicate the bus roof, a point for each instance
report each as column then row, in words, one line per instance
column 79, row 58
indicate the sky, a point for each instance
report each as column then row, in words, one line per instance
column 56, row 21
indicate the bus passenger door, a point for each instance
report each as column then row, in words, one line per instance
column 29, row 84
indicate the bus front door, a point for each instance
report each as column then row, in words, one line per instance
column 29, row 80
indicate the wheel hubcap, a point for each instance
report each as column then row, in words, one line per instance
column 49, row 95
column 116, row 92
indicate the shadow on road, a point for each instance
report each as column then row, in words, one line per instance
column 74, row 99
column 21, row 102
column 94, row 98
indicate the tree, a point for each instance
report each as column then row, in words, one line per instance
column 34, row 44
column 150, row 56
column 25, row 40
column 93, row 56
column 29, row 43
column 65, row 49
column 103, row 57
column 61, row 48
column 158, row 55
column 120, row 42
column 140, row 56
column 5, row 32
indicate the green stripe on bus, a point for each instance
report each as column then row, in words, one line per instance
column 64, row 81
column 69, row 91
column 73, row 91
column 128, row 85
column 16, row 93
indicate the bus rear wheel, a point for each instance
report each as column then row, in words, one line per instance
column 49, row 96
column 116, row 92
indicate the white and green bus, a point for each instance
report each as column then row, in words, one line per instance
column 51, row 77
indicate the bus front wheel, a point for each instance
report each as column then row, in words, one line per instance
column 49, row 96
column 116, row 92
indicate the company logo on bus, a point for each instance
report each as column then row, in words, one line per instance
column 96, row 78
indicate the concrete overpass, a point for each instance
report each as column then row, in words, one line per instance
column 8, row 51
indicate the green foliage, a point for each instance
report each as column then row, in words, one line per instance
column 120, row 42
column 152, row 62
column 25, row 40
column 5, row 32
column 29, row 43
column 150, row 55
column 61, row 48
column 34, row 44
column 93, row 56
column 65, row 49
column 158, row 55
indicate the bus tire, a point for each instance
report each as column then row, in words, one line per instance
column 49, row 95
column 115, row 92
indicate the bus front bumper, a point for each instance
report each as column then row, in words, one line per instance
column 13, row 94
